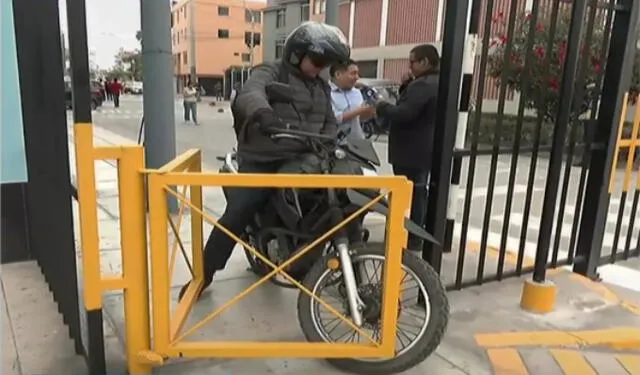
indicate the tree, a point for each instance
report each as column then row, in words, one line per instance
column 129, row 63
column 542, row 93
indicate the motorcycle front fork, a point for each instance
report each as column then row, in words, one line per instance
column 341, row 242
column 355, row 303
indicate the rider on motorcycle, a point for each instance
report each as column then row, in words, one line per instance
column 309, row 49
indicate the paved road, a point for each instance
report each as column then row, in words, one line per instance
column 215, row 137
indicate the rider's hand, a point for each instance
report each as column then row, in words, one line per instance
column 268, row 121
column 367, row 111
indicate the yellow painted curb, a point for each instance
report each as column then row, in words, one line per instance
column 618, row 338
column 538, row 297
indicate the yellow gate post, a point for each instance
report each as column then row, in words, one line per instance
column 133, row 236
column 133, row 239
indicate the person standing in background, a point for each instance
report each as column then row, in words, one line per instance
column 190, row 103
column 116, row 90
column 412, row 125
column 218, row 91
column 107, row 89
column 347, row 101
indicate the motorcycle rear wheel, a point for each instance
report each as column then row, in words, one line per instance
column 425, row 343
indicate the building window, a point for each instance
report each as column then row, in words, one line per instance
column 319, row 6
column 223, row 11
column 184, row 13
column 304, row 12
column 252, row 16
column 280, row 18
column 223, row 33
column 247, row 38
column 184, row 57
column 246, row 57
column 279, row 49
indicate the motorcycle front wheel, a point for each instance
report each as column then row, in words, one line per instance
column 421, row 325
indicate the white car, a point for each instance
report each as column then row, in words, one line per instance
column 134, row 88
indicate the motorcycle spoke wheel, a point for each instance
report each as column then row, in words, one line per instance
column 423, row 311
column 412, row 318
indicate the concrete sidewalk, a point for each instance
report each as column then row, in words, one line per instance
column 595, row 328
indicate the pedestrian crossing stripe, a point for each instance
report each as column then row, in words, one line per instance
column 612, row 338
column 508, row 361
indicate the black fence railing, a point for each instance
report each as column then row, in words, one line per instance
column 527, row 176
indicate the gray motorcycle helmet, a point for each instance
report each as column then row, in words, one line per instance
column 324, row 44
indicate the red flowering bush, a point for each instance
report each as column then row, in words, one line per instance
column 542, row 93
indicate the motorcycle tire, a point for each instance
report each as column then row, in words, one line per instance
column 421, row 348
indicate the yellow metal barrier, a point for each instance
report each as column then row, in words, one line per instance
column 185, row 170
column 632, row 144
column 134, row 278
column 168, row 338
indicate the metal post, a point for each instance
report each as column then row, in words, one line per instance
column 620, row 60
column 80, row 80
column 158, row 99
column 331, row 12
column 446, row 120
column 192, row 40
column 567, row 102
column 469, row 60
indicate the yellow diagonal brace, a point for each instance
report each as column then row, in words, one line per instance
column 276, row 269
column 177, row 242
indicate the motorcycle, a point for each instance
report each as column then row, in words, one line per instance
column 294, row 218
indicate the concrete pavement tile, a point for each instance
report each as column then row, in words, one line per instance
column 578, row 307
column 37, row 325
column 10, row 360
column 539, row 361
column 604, row 363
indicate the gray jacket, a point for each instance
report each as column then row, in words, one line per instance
column 312, row 102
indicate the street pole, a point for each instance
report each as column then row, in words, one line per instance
column 331, row 12
column 158, row 99
column 192, row 40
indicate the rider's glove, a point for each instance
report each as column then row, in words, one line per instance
column 268, row 121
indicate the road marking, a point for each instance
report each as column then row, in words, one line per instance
column 572, row 362
column 507, row 362
column 607, row 294
column 630, row 362
column 627, row 337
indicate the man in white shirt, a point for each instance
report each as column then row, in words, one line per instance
column 190, row 102
column 347, row 101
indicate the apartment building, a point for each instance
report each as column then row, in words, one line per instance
column 280, row 18
column 213, row 37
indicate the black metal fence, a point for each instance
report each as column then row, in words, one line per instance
column 48, row 197
column 539, row 153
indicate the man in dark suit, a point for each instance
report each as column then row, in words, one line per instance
column 412, row 124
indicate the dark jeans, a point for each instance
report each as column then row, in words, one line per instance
column 242, row 204
column 116, row 100
column 420, row 178
column 190, row 111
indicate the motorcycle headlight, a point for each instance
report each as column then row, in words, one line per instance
column 339, row 153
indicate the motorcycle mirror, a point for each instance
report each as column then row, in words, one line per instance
column 280, row 92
